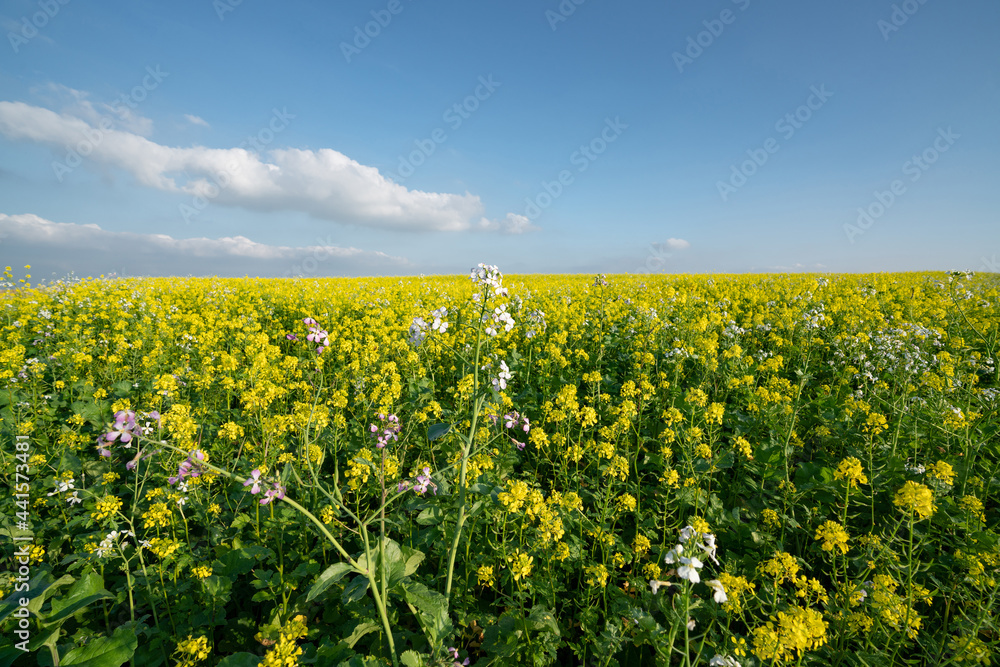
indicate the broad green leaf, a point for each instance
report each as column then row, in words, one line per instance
column 87, row 589
column 240, row 660
column 430, row 516
column 435, row 431
column 112, row 651
column 411, row 659
column 360, row 630
column 432, row 610
column 355, row 590
column 331, row 575
column 413, row 560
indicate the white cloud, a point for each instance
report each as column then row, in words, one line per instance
column 60, row 248
column 323, row 183
column 76, row 103
column 195, row 120
column 512, row 224
column 676, row 244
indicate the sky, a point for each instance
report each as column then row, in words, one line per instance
column 409, row 137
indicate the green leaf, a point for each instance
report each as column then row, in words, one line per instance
column 240, row 660
column 40, row 587
column 413, row 559
column 331, row 575
column 87, row 589
column 432, row 610
column 112, row 651
column 360, row 630
column 411, row 659
column 355, row 590
column 435, row 431
column 430, row 516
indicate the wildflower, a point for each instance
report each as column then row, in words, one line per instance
column 851, row 470
column 520, row 564
column 254, row 480
column 723, row 661
column 916, row 498
column 942, row 472
column 453, row 655
column 834, row 537
column 655, row 584
column 424, row 482
column 202, row 571
column 485, row 576
column 190, row 467
column 389, row 431
column 597, row 575
column 106, row 507
column 317, row 335
column 275, row 493
column 500, row 381
column 192, row 651
column 719, row 591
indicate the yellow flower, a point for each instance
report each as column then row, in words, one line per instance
column 485, row 576
column 791, row 634
column 520, row 564
column 834, row 537
column 781, row 566
column 192, row 651
column 916, row 498
column 596, row 575
column 641, row 545
column 202, row 571
column 851, row 470
column 106, row 506
column 625, row 502
column 942, row 472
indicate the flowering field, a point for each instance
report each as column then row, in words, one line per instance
column 550, row 470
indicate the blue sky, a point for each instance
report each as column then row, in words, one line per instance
column 407, row 137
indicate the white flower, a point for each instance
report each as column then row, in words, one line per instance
column 689, row 569
column 690, row 624
column 674, row 554
column 709, row 546
column 73, row 499
column 500, row 381
column 62, row 487
column 720, row 591
column 687, row 532
column 723, row 661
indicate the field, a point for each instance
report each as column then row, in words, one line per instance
column 547, row 470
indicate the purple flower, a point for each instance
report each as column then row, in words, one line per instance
column 388, row 431
column 278, row 492
column 255, row 480
column 291, row 337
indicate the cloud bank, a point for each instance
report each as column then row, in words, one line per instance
column 59, row 248
column 324, row 183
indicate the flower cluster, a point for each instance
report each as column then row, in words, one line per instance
column 514, row 421
column 489, row 277
column 124, row 430
column 423, row 483
column 189, row 467
column 500, row 318
column 689, row 566
column 389, row 430
column 277, row 491
column 419, row 327
column 503, row 376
